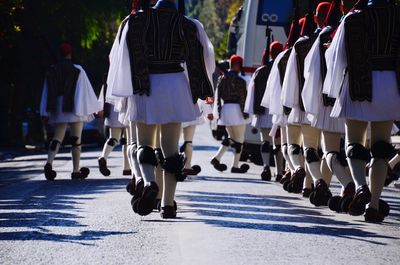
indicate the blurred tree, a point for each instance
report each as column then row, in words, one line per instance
column 208, row 16
column 30, row 32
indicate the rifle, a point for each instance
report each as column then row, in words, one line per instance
column 294, row 29
column 144, row 4
column 334, row 14
column 308, row 27
column 268, row 33
column 181, row 7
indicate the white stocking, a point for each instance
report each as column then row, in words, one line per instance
column 285, row 147
column 59, row 133
column 293, row 133
column 380, row 131
column 169, row 143
column 188, row 135
column 146, row 137
column 265, row 137
column 311, row 139
column 158, row 170
column 132, row 158
column 236, row 133
column 356, row 133
column 115, row 133
column 76, row 131
column 126, row 163
column 331, row 147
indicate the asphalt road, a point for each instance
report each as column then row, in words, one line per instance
column 223, row 219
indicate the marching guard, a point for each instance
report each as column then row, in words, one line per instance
column 230, row 97
column 261, row 119
column 318, row 107
column 163, row 66
column 188, row 130
column 118, row 133
column 299, row 129
column 365, row 80
column 68, row 99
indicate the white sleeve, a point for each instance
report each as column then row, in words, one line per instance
column 336, row 61
column 43, row 101
column 208, row 50
column 101, row 96
column 290, row 86
column 312, row 90
column 119, row 76
column 248, row 107
column 273, row 82
column 86, row 101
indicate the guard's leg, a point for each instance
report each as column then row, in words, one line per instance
column 278, row 158
column 358, row 157
column 112, row 141
column 173, row 167
column 76, row 136
column 296, row 157
column 393, row 169
column 265, row 150
column 147, row 162
column 216, row 160
column 381, row 151
column 336, row 161
column 159, row 171
column 289, row 169
column 187, row 149
column 134, row 186
column 59, row 133
column 236, row 133
column 308, row 184
column 311, row 140
column 124, row 143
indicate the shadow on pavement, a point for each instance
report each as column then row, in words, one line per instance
column 52, row 204
column 271, row 213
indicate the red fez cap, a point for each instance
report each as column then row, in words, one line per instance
column 65, row 49
column 323, row 8
column 275, row 47
column 236, row 59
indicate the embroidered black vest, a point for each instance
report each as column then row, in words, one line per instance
column 302, row 48
column 159, row 41
column 260, row 82
column 62, row 79
column 231, row 89
column 372, row 39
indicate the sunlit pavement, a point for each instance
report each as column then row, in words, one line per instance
column 223, row 219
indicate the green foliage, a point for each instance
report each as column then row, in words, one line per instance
column 209, row 18
column 30, row 33
column 221, row 49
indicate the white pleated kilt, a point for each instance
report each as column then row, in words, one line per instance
column 170, row 101
column 263, row 121
column 326, row 123
column 383, row 107
column 231, row 115
column 297, row 116
column 67, row 117
column 112, row 121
